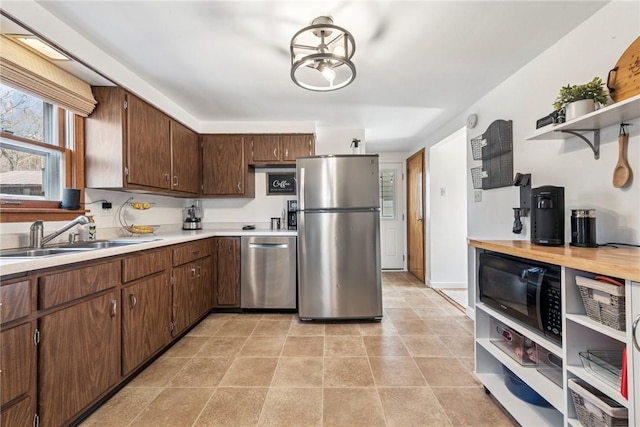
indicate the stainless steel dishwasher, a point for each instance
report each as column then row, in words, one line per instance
column 268, row 272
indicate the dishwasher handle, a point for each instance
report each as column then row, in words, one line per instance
column 268, row 245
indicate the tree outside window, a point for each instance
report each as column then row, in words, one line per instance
column 30, row 151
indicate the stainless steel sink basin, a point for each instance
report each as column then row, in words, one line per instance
column 100, row 244
column 68, row 248
column 36, row 253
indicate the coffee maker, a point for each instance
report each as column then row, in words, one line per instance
column 192, row 218
column 292, row 214
column 547, row 215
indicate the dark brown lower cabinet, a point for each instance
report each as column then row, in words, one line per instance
column 79, row 357
column 146, row 320
column 20, row 414
column 227, row 267
column 17, row 366
column 192, row 293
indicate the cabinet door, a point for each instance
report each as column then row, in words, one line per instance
column 148, row 145
column 17, row 370
column 185, row 162
column 146, row 320
column 223, row 165
column 79, row 357
column 21, row 414
column 184, row 278
column 205, row 292
column 265, row 149
column 228, row 271
column 294, row 146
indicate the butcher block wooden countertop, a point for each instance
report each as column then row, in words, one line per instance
column 622, row 262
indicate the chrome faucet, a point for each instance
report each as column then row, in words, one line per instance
column 36, row 238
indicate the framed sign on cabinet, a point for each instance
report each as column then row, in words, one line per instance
column 281, row 183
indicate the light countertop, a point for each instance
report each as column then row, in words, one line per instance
column 622, row 262
column 14, row 266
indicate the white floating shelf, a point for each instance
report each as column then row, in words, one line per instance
column 610, row 115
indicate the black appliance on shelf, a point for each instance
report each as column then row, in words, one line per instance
column 522, row 289
column 547, row 215
column 292, row 214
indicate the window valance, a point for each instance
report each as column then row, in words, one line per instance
column 25, row 70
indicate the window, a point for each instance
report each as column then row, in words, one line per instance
column 31, row 147
column 387, row 194
column 36, row 145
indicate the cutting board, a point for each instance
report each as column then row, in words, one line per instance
column 624, row 79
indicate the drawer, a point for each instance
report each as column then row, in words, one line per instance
column 188, row 252
column 145, row 264
column 16, row 300
column 58, row 288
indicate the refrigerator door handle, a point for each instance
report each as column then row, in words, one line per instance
column 301, row 182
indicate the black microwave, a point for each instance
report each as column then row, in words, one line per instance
column 525, row 290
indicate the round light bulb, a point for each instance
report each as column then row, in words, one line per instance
column 328, row 73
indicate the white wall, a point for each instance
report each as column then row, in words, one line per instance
column 338, row 141
column 592, row 49
column 258, row 210
column 447, row 212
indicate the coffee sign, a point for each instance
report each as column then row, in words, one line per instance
column 281, row 183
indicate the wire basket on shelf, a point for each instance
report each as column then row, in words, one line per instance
column 604, row 302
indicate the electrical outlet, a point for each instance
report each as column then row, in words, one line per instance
column 443, row 191
column 477, row 195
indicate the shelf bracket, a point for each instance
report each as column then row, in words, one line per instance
column 595, row 146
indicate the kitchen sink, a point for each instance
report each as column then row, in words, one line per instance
column 101, row 244
column 36, row 253
column 68, row 248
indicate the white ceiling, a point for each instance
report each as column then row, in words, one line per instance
column 419, row 63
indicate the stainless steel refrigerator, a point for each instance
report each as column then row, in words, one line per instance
column 339, row 273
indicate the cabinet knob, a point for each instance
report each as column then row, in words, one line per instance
column 239, row 187
column 286, row 153
column 275, row 153
column 175, row 180
column 132, row 300
column 166, row 177
column 114, row 307
column 193, row 273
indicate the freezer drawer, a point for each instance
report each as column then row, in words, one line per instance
column 268, row 272
column 339, row 265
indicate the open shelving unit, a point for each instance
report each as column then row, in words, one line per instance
column 591, row 123
column 580, row 333
column 489, row 362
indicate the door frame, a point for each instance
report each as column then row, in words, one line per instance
column 419, row 153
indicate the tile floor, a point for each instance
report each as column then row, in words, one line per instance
column 414, row 368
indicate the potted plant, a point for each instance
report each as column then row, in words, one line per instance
column 581, row 99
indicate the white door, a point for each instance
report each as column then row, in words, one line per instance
column 391, row 217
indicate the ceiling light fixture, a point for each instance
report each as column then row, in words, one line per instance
column 321, row 56
column 40, row 47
